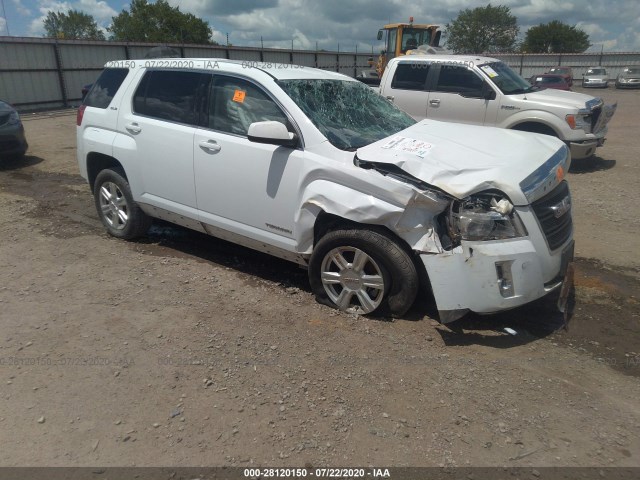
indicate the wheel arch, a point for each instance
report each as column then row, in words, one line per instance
column 536, row 126
column 96, row 162
column 327, row 222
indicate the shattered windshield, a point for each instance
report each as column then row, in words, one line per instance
column 508, row 81
column 350, row 114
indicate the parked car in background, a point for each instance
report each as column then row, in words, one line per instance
column 316, row 168
column 485, row 91
column 549, row 80
column 12, row 139
column 629, row 78
column 566, row 72
column 595, row 77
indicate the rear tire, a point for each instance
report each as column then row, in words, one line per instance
column 121, row 216
column 363, row 271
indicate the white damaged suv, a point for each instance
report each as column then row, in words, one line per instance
column 316, row 168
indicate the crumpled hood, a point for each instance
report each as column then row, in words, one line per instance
column 556, row 98
column 465, row 159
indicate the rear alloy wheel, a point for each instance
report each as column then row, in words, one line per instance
column 121, row 216
column 363, row 271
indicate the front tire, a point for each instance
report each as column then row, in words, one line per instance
column 121, row 216
column 363, row 271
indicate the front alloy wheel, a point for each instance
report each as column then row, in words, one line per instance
column 363, row 270
column 352, row 280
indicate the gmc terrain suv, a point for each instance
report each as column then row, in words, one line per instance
column 316, row 168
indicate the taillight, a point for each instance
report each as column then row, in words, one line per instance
column 80, row 114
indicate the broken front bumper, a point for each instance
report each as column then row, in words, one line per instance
column 586, row 148
column 488, row 277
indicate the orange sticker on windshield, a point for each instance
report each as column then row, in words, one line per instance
column 238, row 96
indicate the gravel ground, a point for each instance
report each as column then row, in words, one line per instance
column 181, row 349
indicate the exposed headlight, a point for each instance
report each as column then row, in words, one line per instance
column 579, row 121
column 14, row 118
column 484, row 216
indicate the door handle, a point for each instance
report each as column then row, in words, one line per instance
column 390, row 98
column 210, row 145
column 133, row 128
column 434, row 102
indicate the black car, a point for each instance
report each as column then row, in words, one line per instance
column 12, row 139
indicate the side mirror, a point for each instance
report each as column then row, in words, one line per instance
column 273, row 133
column 380, row 34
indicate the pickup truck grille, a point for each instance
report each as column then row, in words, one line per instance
column 554, row 215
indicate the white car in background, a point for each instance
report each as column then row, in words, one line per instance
column 595, row 77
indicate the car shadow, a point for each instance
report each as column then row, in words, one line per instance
column 528, row 323
column 167, row 239
column 13, row 162
column 590, row 165
column 512, row 328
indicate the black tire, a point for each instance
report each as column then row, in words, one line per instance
column 121, row 216
column 536, row 128
column 393, row 263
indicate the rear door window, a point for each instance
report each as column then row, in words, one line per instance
column 410, row 76
column 105, row 88
column 170, row 95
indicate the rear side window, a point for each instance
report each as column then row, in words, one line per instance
column 171, row 95
column 105, row 88
column 410, row 76
column 454, row 79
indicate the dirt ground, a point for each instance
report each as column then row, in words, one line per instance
column 181, row 349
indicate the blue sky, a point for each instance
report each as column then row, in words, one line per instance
column 613, row 25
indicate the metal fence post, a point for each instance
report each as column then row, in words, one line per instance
column 63, row 88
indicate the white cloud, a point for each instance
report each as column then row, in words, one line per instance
column 20, row 8
column 3, row 26
column 612, row 23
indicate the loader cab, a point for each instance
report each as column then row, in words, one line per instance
column 400, row 38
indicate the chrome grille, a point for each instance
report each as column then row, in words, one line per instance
column 556, row 226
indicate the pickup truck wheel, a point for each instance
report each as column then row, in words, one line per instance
column 121, row 216
column 363, row 271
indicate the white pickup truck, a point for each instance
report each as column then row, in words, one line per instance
column 485, row 91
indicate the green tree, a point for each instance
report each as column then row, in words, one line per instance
column 72, row 25
column 158, row 22
column 483, row 29
column 555, row 37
